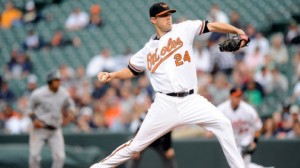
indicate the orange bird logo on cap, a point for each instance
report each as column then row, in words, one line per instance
column 164, row 5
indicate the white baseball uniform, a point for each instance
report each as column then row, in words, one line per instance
column 245, row 122
column 171, row 63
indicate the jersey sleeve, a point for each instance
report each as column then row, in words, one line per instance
column 137, row 62
column 195, row 27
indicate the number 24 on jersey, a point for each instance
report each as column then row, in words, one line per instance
column 179, row 60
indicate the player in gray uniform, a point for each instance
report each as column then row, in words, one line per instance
column 45, row 109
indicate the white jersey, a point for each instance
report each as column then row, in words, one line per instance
column 245, row 121
column 170, row 60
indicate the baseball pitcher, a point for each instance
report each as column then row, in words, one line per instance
column 169, row 58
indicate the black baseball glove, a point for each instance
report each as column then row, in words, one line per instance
column 233, row 44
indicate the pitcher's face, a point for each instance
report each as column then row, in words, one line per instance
column 163, row 22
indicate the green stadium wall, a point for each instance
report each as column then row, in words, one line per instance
column 193, row 153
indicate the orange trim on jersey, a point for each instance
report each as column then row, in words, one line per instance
column 117, row 150
column 164, row 58
column 202, row 26
column 134, row 68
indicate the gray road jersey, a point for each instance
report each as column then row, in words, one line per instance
column 48, row 105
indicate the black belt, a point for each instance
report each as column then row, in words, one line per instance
column 50, row 127
column 180, row 94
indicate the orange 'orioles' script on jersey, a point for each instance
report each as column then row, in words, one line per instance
column 154, row 60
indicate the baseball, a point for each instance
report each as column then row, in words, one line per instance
column 102, row 79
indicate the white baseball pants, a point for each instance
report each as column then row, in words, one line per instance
column 167, row 113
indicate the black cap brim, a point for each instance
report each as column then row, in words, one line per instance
column 166, row 11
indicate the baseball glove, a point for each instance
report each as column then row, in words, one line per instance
column 233, row 44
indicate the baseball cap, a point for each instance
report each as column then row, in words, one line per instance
column 53, row 75
column 160, row 8
column 236, row 92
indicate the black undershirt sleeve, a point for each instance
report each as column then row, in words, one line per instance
column 135, row 73
column 205, row 27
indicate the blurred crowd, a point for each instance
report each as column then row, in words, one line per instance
column 259, row 69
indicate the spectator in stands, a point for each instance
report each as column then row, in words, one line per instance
column 269, row 63
column 294, row 111
column 6, row 94
column 113, row 109
column 32, row 41
column 127, row 101
column 265, row 79
column 254, row 60
column 251, row 31
column 77, row 20
column 31, row 85
column 219, row 89
column 16, row 123
column 278, row 50
column 11, row 16
column 258, row 41
column 217, row 15
column 280, row 83
column 95, row 16
column 19, row 66
column 237, row 78
column 101, row 62
column 235, row 19
column 286, row 128
column 254, row 92
column 99, row 117
column 67, row 75
column 59, row 39
column 296, row 92
column 13, row 60
column 285, row 110
column 85, row 120
column 99, row 89
column 123, row 59
column 293, row 34
column 296, row 64
column 296, row 131
column 31, row 15
column 268, row 129
column 121, row 123
column 203, row 58
column 82, row 82
column 81, row 92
